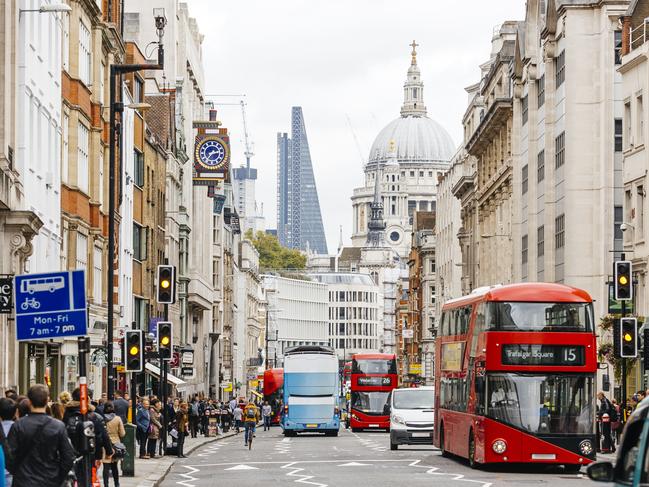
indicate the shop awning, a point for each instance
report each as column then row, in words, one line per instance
column 172, row 379
column 260, row 396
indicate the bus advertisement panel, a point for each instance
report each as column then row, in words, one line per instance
column 516, row 376
column 273, row 392
column 311, row 390
column 374, row 375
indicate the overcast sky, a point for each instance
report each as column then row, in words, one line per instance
column 339, row 59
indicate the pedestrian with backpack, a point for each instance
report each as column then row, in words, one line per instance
column 116, row 432
column 194, row 416
column 38, row 449
column 250, row 414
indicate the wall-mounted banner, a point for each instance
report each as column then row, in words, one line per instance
column 6, row 294
column 211, row 159
column 219, row 201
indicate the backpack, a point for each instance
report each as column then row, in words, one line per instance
column 251, row 413
column 73, row 427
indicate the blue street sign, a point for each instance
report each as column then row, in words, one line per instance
column 51, row 305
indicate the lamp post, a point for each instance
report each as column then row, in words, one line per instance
column 118, row 107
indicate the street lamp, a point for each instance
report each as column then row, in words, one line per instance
column 48, row 8
column 118, row 107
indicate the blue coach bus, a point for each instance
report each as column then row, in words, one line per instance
column 311, row 391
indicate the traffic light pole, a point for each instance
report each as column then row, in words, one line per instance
column 163, row 378
column 623, row 257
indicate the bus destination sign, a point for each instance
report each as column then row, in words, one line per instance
column 548, row 355
column 374, row 381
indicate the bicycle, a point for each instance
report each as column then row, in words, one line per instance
column 249, row 435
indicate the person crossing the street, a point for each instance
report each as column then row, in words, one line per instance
column 250, row 416
column 266, row 413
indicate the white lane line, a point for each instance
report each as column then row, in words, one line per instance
column 302, row 479
column 454, row 476
column 189, row 476
column 374, row 460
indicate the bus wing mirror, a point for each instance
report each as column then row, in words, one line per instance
column 386, row 409
column 479, row 385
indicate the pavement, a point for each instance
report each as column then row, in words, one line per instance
column 149, row 473
column 351, row 459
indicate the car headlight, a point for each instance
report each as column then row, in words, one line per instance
column 499, row 446
column 586, row 447
column 397, row 419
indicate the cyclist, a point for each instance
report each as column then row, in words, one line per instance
column 250, row 415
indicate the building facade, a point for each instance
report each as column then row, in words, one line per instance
column 354, row 315
column 299, row 219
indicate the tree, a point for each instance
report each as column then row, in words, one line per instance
column 272, row 255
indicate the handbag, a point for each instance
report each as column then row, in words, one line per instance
column 119, row 450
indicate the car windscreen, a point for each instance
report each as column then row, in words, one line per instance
column 413, row 399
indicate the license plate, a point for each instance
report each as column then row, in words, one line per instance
column 544, row 456
column 311, row 425
column 374, row 426
column 421, row 435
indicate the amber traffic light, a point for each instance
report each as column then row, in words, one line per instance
column 622, row 270
column 165, row 339
column 134, row 351
column 166, row 284
column 628, row 337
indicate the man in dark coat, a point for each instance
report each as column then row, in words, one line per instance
column 38, row 449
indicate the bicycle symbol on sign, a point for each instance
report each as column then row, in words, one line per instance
column 30, row 303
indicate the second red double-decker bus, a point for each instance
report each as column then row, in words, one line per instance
column 273, row 392
column 374, row 375
column 515, row 376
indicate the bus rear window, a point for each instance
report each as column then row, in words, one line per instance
column 374, row 366
column 516, row 316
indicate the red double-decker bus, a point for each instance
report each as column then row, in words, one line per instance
column 374, row 375
column 273, row 392
column 515, row 376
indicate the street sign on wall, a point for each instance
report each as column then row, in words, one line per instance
column 6, row 294
column 51, row 305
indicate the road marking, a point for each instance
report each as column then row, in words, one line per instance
column 374, row 460
column 242, row 467
column 454, row 476
column 354, row 464
column 188, row 476
column 302, row 479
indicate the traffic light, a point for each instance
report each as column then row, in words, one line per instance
column 628, row 337
column 166, row 284
column 165, row 339
column 134, row 351
column 622, row 270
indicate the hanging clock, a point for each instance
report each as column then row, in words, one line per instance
column 212, row 153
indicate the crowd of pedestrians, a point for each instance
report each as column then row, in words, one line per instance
column 41, row 440
column 611, row 417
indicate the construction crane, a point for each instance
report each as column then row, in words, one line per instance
column 358, row 144
column 246, row 137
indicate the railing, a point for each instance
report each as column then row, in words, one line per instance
column 638, row 36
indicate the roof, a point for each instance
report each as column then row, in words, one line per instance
column 417, row 139
column 530, row 292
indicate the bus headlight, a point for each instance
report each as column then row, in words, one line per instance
column 586, row 447
column 398, row 419
column 499, row 446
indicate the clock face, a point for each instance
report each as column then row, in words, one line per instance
column 211, row 153
column 394, row 236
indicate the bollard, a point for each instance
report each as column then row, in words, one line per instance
column 606, row 433
column 128, row 464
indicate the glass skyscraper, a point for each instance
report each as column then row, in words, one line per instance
column 299, row 221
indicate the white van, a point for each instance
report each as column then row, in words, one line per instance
column 411, row 416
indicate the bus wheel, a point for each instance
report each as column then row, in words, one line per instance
column 442, row 446
column 472, row 461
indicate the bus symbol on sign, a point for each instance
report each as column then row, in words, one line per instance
column 49, row 284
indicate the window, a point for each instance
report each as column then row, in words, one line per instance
column 640, row 194
column 628, row 140
column 64, row 249
column 65, row 136
column 85, row 65
column 524, row 109
column 640, row 120
column 97, row 274
column 102, row 76
column 617, row 216
column 101, row 175
column 618, row 135
column 412, row 174
column 559, row 232
column 524, row 250
column 139, row 313
column 540, row 166
column 540, row 91
column 618, row 46
column 139, row 168
column 83, row 176
column 138, row 90
column 65, row 19
column 432, row 265
column 524, row 178
column 560, row 68
column 139, row 242
column 421, row 174
column 540, row 241
column 560, row 150
column 82, row 252
column 432, row 294
column 412, row 207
